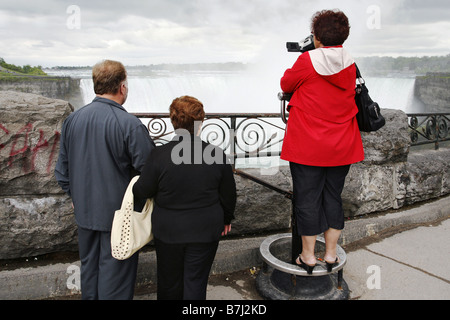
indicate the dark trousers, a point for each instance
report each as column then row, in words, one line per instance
column 102, row 276
column 183, row 269
column 317, row 197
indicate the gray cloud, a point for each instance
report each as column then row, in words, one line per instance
column 164, row 31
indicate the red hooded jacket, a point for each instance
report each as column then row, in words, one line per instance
column 322, row 129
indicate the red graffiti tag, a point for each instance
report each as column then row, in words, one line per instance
column 41, row 144
column 19, row 147
column 52, row 153
column 15, row 152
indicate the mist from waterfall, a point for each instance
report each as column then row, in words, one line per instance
column 220, row 92
column 240, row 92
column 395, row 93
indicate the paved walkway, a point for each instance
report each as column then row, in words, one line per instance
column 409, row 265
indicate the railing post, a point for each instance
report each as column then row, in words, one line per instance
column 233, row 140
column 296, row 245
column 436, row 125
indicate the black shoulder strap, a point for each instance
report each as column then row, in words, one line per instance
column 358, row 74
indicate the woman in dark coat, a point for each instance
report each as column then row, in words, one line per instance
column 194, row 196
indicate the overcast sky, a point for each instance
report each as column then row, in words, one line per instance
column 137, row 32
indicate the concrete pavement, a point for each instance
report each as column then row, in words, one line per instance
column 409, row 265
column 403, row 254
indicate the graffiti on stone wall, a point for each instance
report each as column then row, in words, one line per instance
column 28, row 145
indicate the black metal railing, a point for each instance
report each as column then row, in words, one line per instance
column 248, row 135
column 240, row 135
column 428, row 128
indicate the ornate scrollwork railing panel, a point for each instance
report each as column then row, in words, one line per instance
column 429, row 128
column 239, row 135
column 261, row 135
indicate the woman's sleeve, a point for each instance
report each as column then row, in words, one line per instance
column 227, row 191
column 147, row 184
column 294, row 77
column 62, row 165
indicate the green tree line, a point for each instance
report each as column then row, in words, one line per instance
column 26, row 69
column 415, row 65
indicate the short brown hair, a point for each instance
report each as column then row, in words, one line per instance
column 108, row 75
column 184, row 111
column 331, row 27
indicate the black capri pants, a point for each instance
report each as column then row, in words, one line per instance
column 317, row 197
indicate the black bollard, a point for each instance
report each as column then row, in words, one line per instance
column 278, row 281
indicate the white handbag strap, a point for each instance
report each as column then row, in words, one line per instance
column 128, row 196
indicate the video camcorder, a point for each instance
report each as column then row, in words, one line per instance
column 306, row 45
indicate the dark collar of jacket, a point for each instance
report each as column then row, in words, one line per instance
column 110, row 102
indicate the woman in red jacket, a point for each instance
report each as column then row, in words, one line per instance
column 322, row 136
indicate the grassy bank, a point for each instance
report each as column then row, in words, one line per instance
column 8, row 70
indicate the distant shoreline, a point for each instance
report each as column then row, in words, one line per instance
column 370, row 66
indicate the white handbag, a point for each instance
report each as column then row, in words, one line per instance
column 131, row 230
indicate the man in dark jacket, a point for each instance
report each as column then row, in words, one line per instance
column 102, row 148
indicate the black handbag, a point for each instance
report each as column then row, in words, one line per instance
column 369, row 116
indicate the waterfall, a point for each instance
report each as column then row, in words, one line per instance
column 223, row 92
column 394, row 93
column 219, row 93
